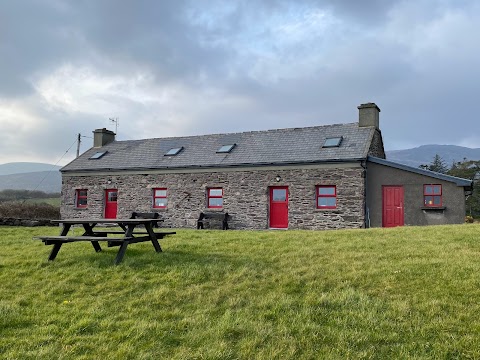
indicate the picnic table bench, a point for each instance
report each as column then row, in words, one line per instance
column 205, row 218
column 94, row 236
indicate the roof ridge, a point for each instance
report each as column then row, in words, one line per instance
column 244, row 132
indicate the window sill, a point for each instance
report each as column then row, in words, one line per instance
column 432, row 208
column 327, row 210
column 159, row 209
column 213, row 209
column 81, row 208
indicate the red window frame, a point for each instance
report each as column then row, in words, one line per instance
column 435, row 191
column 325, row 196
column 79, row 196
column 155, row 197
column 210, row 196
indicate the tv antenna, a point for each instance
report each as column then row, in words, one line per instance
column 116, row 122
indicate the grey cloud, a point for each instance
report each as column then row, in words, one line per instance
column 366, row 12
column 39, row 35
column 33, row 36
column 111, row 35
column 425, row 96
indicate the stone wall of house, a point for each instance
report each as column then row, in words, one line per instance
column 246, row 196
column 376, row 147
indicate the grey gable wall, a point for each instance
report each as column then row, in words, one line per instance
column 380, row 175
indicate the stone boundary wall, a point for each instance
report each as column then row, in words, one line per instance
column 25, row 222
column 246, row 196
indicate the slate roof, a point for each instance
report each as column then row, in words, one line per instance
column 453, row 179
column 281, row 146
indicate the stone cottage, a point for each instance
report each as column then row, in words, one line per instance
column 320, row 177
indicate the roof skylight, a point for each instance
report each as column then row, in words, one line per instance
column 97, row 155
column 332, row 142
column 173, row 151
column 226, row 148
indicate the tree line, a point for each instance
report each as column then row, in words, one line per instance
column 18, row 195
column 466, row 169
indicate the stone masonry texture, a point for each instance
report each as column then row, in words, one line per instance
column 376, row 147
column 246, row 196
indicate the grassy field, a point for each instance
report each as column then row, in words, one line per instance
column 401, row 293
column 50, row 201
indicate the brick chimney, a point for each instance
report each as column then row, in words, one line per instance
column 102, row 137
column 368, row 115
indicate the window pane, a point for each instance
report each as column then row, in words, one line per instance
column 82, row 202
column 98, row 155
column 160, row 193
column 161, row 202
column 326, row 191
column 215, row 202
column 429, row 200
column 216, row 192
column 327, row 202
column 437, row 200
column 112, row 196
column 428, row 190
column 82, row 192
column 279, row 194
column 437, row 189
column 174, row 151
column 225, row 148
column 332, row 142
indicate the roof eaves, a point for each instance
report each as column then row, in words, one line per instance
column 458, row 181
column 209, row 166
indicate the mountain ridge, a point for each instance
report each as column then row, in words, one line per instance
column 30, row 176
column 25, row 167
column 46, row 181
column 424, row 154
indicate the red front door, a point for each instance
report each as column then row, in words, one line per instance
column 393, row 206
column 279, row 207
column 111, row 204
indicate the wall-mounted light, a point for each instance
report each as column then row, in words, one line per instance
column 278, row 178
column 109, row 181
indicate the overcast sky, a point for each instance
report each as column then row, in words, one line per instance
column 175, row 68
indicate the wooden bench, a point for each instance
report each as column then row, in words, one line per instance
column 146, row 215
column 55, row 239
column 205, row 217
column 102, row 236
column 58, row 241
column 158, row 234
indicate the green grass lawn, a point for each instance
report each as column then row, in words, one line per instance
column 401, row 293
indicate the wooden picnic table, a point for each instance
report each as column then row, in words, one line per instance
column 129, row 231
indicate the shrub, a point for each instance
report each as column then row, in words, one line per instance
column 469, row 219
column 21, row 210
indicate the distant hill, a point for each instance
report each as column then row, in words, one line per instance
column 25, row 167
column 424, row 154
column 47, row 181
